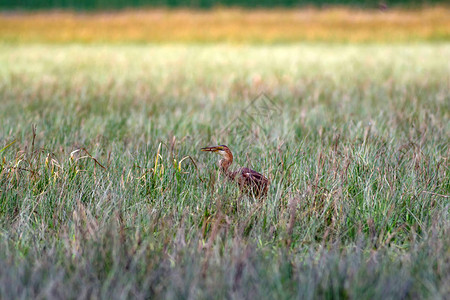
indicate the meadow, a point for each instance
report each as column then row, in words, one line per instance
column 105, row 194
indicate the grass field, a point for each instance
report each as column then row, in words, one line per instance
column 337, row 24
column 108, row 196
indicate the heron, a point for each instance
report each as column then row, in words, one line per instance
column 249, row 181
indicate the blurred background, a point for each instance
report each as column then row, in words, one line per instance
column 119, row 4
column 237, row 21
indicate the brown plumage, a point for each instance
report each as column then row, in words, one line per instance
column 249, row 181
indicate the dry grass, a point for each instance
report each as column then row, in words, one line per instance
column 229, row 25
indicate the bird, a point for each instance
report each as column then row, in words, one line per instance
column 249, row 181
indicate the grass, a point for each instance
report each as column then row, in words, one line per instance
column 105, row 194
column 229, row 25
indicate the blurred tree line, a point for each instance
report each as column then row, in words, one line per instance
column 203, row 4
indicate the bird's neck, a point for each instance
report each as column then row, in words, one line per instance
column 225, row 162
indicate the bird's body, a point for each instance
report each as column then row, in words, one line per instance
column 249, row 181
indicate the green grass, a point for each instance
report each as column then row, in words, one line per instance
column 353, row 138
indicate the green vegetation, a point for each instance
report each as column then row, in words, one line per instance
column 97, row 201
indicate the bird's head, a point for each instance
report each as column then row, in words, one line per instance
column 222, row 150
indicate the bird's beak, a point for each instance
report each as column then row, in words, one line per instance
column 210, row 149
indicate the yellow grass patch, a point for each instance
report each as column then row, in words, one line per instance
column 229, row 25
